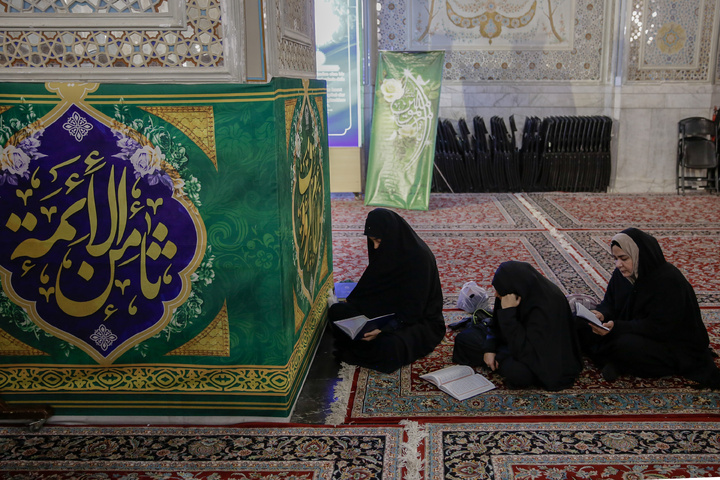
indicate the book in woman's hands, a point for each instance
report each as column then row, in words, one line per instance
column 582, row 312
column 358, row 326
column 460, row 381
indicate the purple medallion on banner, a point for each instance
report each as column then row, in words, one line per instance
column 98, row 240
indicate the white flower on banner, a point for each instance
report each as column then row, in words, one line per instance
column 147, row 160
column 14, row 160
column 412, row 115
column 408, row 130
column 392, row 89
column 297, row 143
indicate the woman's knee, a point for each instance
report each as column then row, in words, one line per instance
column 516, row 374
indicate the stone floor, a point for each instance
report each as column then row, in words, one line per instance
column 316, row 396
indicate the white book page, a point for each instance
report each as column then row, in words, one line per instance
column 467, row 387
column 448, row 374
column 352, row 325
column 583, row 312
column 468, row 384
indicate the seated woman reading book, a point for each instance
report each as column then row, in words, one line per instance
column 531, row 339
column 401, row 278
column 653, row 324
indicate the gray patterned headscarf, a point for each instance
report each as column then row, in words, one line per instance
column 628, row 246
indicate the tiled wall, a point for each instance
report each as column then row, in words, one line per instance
column 562, row 40
column 646, row 64
column 672, row 41
column 170, row 40
column 199, row 44
column 574, row 52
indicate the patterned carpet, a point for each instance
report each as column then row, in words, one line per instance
column 403, row 394
column 554, row 451
column 139, row 453
column 644, row 211
column 565, row 236
column 400, row 427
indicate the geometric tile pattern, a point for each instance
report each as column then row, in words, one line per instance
column 199, row 45
column 671, row 41
column 582, row 60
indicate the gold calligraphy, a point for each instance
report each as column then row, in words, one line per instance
column 119, row 244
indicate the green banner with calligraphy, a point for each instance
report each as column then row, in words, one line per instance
column 164, row 249
column 404, row 126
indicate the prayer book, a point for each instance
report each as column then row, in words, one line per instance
column 582, row 312
column 460, row 381
column 358, row 326
column 343, row 289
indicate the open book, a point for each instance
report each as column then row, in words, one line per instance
column 460, row 381
column 358, row 326
column 582, row 312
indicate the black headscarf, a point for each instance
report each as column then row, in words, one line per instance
column 542, row 334
column 401, row 278
column 400, row 273
column 661, row 305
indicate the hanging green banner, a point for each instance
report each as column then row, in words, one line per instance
column 404, row 126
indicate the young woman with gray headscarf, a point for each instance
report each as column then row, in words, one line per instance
column 654, row 320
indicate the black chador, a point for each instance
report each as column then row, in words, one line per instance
column 535, row 342
column 658, row 328
column 401, row 278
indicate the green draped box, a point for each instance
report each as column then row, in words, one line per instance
column 165, row 248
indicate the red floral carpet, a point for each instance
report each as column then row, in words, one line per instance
column 566, row 237
column 644, row 211
column 554, row 451
column 138, row 453
column 696, row 252
column 403, row 394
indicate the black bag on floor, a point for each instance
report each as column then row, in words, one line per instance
column 477, row 338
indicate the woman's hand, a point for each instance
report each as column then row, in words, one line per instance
column 371, row 335
column 602, row 331
column 509, row 301
column 490, row 360
column 599, row 315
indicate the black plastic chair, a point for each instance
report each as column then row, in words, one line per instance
column 697, row 150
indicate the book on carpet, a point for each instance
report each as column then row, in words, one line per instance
column 582, row 312
column 460, row 381
column 358, row 326
column 343, row 289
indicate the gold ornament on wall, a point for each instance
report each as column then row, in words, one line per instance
column 671, row 38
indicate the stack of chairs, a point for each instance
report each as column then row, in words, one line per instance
column 505, row 155
column 483, row 160
column 450, row 169
column 529, row 154
column 560, row 153
column 575, row 154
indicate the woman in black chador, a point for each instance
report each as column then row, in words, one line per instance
column 531, row 339
column 401, row 278
column 655, row 325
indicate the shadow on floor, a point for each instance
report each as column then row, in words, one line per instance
column 313, row 403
